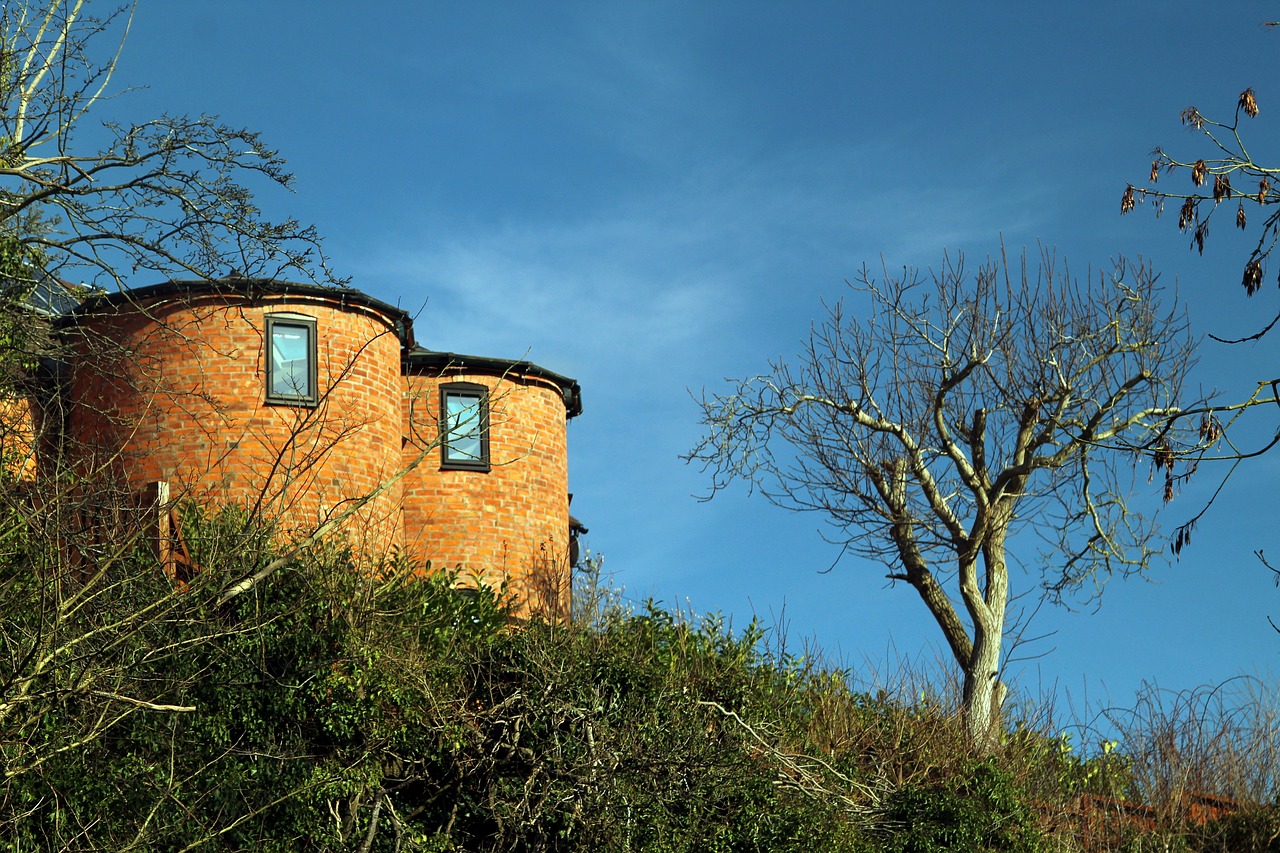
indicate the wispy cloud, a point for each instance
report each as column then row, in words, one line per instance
column 672, row 270
column 580, row 293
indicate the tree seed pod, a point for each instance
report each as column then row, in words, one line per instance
column 1253, row 277
column 1221, row 188
column 1248, row 103
column 1126, row 200
column 1187, row 215
column 1198, row 171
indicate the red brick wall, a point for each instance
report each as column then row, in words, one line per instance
column 510, row 523
column 174, row 390
column 17, row 435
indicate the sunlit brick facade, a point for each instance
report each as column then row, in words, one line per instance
column 298, row 401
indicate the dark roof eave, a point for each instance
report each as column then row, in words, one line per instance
column 419, row 357
column 248, row 288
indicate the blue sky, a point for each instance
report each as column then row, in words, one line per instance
column 651, row 197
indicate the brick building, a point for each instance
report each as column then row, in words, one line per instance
column 302, row 402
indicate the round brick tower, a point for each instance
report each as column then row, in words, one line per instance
column 490, row 492
column 282, row 398
column 299, row 402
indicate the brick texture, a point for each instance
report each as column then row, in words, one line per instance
column 509, row 524
column 174, row 389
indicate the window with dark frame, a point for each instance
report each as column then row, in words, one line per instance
column 464, row 426
column 291, row 360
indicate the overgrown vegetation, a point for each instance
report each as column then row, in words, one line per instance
column 337, row 709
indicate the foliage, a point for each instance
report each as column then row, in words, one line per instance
column 1054, row 767
column 335, row 708
column 83, row 616
column 1221, row 739
column 330, row 707
column 979, row 809
column 282, row 708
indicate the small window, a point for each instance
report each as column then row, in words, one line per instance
column 291, row 362
column 464, row 426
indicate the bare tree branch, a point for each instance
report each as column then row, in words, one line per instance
column 168, row 197
column 956, row 409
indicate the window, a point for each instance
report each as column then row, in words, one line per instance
column 464, row 426
column 291, row 362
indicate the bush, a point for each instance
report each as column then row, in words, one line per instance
column 978, row 810
column 337, row 707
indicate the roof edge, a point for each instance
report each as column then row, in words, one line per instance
column 419, row 357
column 246, row 288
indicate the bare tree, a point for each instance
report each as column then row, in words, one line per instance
column 168, row 197
column 961, row 409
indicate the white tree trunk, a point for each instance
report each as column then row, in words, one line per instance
column 983, row 696
column 983, row 690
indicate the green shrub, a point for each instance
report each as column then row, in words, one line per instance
column 978, row 810
column 334, row 705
